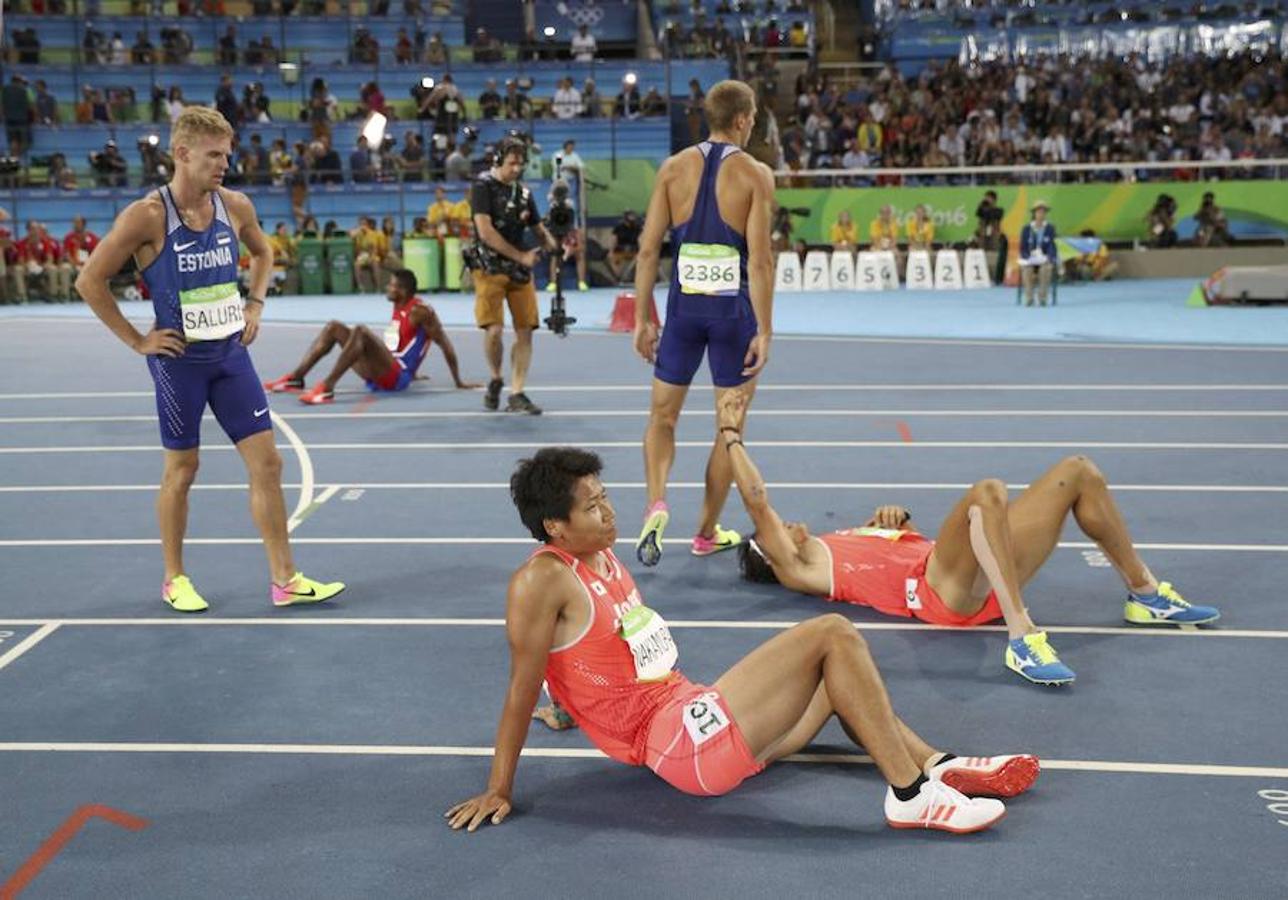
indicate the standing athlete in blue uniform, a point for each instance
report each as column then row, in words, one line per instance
column 718, row 203
column 184, row 238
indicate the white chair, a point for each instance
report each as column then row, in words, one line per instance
column 817, row 271
column 787, row 275
column 948, row 271
column 920, row 274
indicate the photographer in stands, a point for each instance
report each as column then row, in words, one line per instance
column 504, row 209
column 110, row 167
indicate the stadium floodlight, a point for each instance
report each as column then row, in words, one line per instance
column 630, row 78
column 374, row 130
column 549, row 31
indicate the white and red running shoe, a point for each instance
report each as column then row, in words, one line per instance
column 988, row 776
column 940, row 807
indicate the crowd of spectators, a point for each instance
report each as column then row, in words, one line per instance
column 731, row 32
column 259, row 8
column 1052, row 110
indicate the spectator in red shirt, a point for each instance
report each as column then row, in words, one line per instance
column 36, row 256
column 78, row 245
column 6, row 248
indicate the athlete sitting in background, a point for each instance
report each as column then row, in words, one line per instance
column 987, row 541
column 388, row 364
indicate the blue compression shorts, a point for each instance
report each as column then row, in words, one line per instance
column 225, row 380
column 685, row 338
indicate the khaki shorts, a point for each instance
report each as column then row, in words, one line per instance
column 490, row 290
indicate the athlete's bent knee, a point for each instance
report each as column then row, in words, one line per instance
column 989, row 492
column 1084, row 469
column 835, row 627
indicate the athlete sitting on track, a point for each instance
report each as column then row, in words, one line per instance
column 387, row 365
column 986, row 541
column 575, row 617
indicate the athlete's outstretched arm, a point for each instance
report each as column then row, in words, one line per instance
column 136, row 226
column 760, row 266
column 261, row 259
column 771, row 535
column 428, row 320
column 656, row 221
column 538, row 592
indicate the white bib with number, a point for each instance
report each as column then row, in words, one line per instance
column 392, row 335
column 704, row 719
column 714, row 269
column 211, row 313
column 651, row 645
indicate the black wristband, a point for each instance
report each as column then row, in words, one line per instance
column 724, row 428
column 255, row 300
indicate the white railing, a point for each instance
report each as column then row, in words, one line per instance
column 1279, row 164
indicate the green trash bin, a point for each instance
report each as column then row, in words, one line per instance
column 339, row 261
column 422, row 257
column 312, row 262
column 452, row 264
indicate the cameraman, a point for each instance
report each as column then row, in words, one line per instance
column 110, row 167
column 561, row 222
column 503, row 210
column 158, row 167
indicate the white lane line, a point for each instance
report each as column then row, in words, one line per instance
column 639, row 485
column 592, row 332
column 313, row 507
column 866, row 388
column 712, row 624
column 306, row 469
column 634, row 445
column 28, row 642
column 527, row 541
column 706, row 414
column 1072, row 765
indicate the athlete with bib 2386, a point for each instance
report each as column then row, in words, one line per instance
column 718, row 203
column 575, row 618
column 184, row 238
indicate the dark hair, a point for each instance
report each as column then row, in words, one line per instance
column 512, row 146
column 753, row 565
column 541, row 487
column 406, row 279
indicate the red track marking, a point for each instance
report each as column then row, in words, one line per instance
column 904, row 431
column 56, row 841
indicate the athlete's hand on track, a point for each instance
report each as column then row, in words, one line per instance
column 757, row 356
column 251, row 329
column 476, row 810
column 468, row 385
column 646, row 341
column 889, row 517
column 161, row 342
column 733, row 405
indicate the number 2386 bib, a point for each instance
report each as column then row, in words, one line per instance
column 711, row 269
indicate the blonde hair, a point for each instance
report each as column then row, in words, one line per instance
column 726, row 101
column 198, row 121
